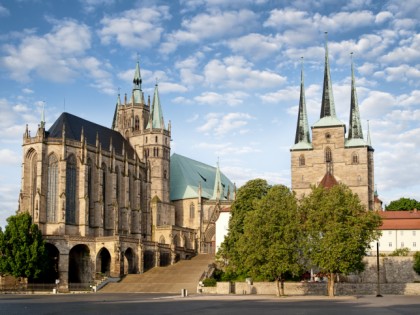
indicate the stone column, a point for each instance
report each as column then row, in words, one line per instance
column 63, row 272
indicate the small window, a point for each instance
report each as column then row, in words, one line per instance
column 164, row 174
column 414, row 233
column 390, row 244
column 355, row 158
column 192, row 211
column 328, row 155
column 137, row 123
column 156, row 139
column 402, row 233
column 414, row 244
column 402, row 244
column 302, row 160
column 328, row 136
column 389, row 232
column 146, row 139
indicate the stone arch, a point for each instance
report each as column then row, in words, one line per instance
column 129, row 261
column 79, row 264
column 209, row 239
column 162, row 240
column 176, row 240
column 31, row 169
column 103, row 262
column 53, row 260
column 148, row 260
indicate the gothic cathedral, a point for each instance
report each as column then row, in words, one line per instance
column 331, row 157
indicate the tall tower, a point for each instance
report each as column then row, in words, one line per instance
column 332, row 158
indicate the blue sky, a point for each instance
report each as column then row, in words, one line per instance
column 228, row 74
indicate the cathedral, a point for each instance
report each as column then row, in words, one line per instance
column 331, row 157
column 113, row 201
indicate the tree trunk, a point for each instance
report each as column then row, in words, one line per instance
column 330, row 284
column 282, row 287
column 278, row 286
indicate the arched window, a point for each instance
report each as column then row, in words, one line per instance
column 301, row 160
column 328, row 155
column 156, row 139
column 165, row 173
column 136, row 123
column 71, row 190
column 118, row 185
column 103, row 182
column 52, row 190
column 192, row 211
column 355, row 158
column 34, row 160
column 90, row 193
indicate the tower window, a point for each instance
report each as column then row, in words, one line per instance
column 137, row 123
column 71, row 181
column 52, row 192
column 302, row 160
column 192, row 211
column 328, row 155
column 355, row 158
column 146, row 139
column 156, row 139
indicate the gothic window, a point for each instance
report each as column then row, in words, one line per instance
column 33, row 180
column 117, row 184
column 302, row 160
column 90, row 192
column 192, row 211
column 355, row 158
column 52, row 191
column 136, row 123
column 156, row 139
column 71, row 190
column 103, row 182
column 157, row 151
column 328, row 155
column 146, row 139
column 164, row 174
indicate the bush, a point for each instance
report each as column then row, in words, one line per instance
column 400, row 252
column 209, row 282
column 416, row 264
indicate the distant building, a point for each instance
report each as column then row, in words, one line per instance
column 400, row 229
column 114, row 201
column 331, row 156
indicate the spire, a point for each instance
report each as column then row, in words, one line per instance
column 327, row 106
column 218, row 188
column 355, row 127
column 136, row 95
column 156, row 114
column 369, row 142
column 43, row 115
column 302, row 128
column 114, row 120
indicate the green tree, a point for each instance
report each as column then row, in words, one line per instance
column 22, row 249
column 270, row 246
column 245, row 201
column 416, row 262
column 403, row 204
column 339, row 230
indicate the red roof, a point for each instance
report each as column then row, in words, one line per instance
column 328, row 181
column 400, row 220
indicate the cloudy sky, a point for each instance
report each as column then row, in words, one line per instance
column 228, row 74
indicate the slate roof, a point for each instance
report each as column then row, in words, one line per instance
column 187, row 174
column 73, row 128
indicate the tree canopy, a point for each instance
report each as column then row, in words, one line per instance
column 246, row 198
column 403, row 204
column 22, row 249
column 339, row 230
column 270, row 243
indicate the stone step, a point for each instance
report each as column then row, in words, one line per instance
column 171, row 279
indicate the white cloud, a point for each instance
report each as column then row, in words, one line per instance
column 217, row 99
column 91, row 5
column 9, row 157
column 134, row 28
column 216, row 24
column 56, row 50
column 401, row 73
column 383, row 16
column 256, row 45
column 235, row 72
column 220, row 124
column 4, row 11
column 408, row 50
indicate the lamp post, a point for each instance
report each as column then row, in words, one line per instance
column 378, row 289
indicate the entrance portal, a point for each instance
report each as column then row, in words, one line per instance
column 103, row 262
column 79, row 264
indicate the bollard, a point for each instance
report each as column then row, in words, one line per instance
column 184, row 292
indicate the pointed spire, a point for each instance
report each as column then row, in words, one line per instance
column 218, row 188
column 327, row 106
column 136, row 95
column 114, row 120
column 369, row 142
column 156, row 114
column 302, row 128
column 43, row 115
column 355, row 127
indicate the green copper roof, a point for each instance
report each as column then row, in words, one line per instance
column 302, row 145
column 302, row 128
column 156, row 114
column 355, row 127
column 187, row 175
column 218, row 188
column 136, row 97
column 328, row 121
column 355, row 143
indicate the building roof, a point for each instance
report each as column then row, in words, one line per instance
column 302, row 128
column 328, row 180
column 73, row 126
column 400, row 220
column 187, row 175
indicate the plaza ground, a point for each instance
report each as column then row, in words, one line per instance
column 101, row 303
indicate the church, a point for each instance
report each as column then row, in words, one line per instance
column 113, row 201
column 331, row 157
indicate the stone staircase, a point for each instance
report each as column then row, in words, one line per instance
column 171, row 279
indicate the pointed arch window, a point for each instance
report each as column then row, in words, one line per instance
column 91, row 216
column 328, row 155
column 118, row 185
column 192, row 210
column 355, row 158
column 34, row 160
column 137, row 123
column 103, row 182
column 301, row 160
column 71, row 190
column 52, row 190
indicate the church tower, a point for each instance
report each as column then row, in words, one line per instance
column 330, row 157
